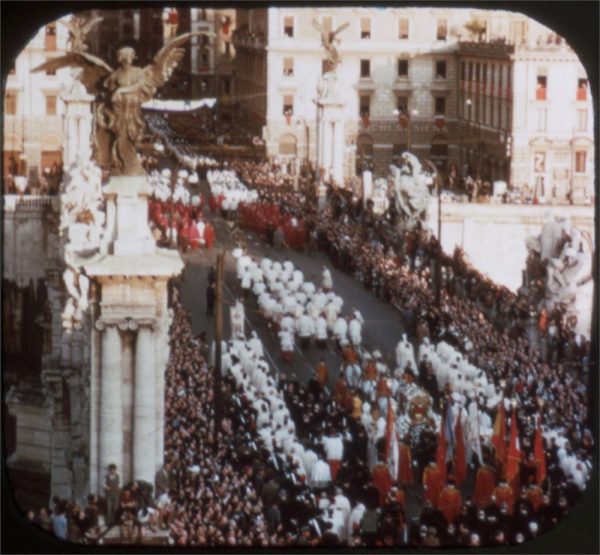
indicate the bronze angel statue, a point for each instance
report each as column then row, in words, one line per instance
column 78, row 28
column 120, row 94
column 328, row 40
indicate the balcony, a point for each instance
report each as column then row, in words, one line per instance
column 247, row 39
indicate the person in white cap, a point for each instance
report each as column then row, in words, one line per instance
column 340, row 329
column 355, row 331
column 326, row 279
column 321, row 332
column 287, row 345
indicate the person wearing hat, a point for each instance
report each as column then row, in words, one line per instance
column 485, row 483
column 503, row 493
column 449, row 501
column 432, row 483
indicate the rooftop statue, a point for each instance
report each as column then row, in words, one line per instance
column 79, row 27
column 120, row 94
column 328, row 40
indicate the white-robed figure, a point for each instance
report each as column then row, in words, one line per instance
column 355, row 331
column 256, row 345
column 321, row 331
column 306, row 330
column 340, row 329
column 320, row 476
column 331, row 314
column 287, row 345
column 334, row 451
column 405, row 355
column 353, row 373
column 355, row 519
column 342, row 504
column 309, row 458
column 472, row 433
column 326, row 279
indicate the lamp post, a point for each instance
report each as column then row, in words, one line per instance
column 235, row 233
column 477, row 126
column 174, row 176
column 302, row 120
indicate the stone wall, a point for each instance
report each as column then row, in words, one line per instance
column 493, row 235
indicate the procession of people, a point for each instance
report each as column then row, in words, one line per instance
column 466, row 435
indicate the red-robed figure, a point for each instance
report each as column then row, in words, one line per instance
column 209, row 235
column 405, row 473
column 432, row 483
column 449, row 502
column 504, row 494
column 485, row 482
column 382, row 480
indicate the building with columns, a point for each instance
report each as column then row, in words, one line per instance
column 400, row 72
column 33, row 110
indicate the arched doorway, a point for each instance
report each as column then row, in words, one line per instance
column 287, row 145
column 439, row 154
column 364, row 153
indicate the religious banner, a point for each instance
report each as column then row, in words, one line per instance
column 237, row 319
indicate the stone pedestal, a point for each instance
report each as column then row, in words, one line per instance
column 129, row 342
column 330, row 130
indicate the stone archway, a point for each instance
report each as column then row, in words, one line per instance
column 287, row 145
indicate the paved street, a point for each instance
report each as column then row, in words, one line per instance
column 382, row 329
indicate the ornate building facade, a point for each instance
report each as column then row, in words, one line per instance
column 407, row 87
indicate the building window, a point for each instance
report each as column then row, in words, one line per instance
column 365, row 27
column 10, row 104
column 470, row 71
column 227, row 46
column 442, row 29
column 582, row 89
column 50, row 105
column 492, row 78
column 492, row 107
column 580, row 156
column 203, row 14
column 365, row 68
column 403, row 28
column 463, row 71
column 288, row 26
column 226, row 86
column 582, row 120
column 477, row 66
column 440, row 69
column 402, row 105
column 402, row 68
column 288, row 67
column 50, row 38
column 288, row 105
column 540, row 88
column 440, row 105
column 204, row 60
column 364, row 106
column 484, row 74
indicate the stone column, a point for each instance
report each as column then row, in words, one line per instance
column 327, row 145
column 144, row 407
column 338, row 151
column 96, row 365
column 111, row 403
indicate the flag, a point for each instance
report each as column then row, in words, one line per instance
column 391, row 442
column 460, row 463
column 499, row 435
column 538, row 453
column 445, row 442
column 514, row 454
column 449, row 431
